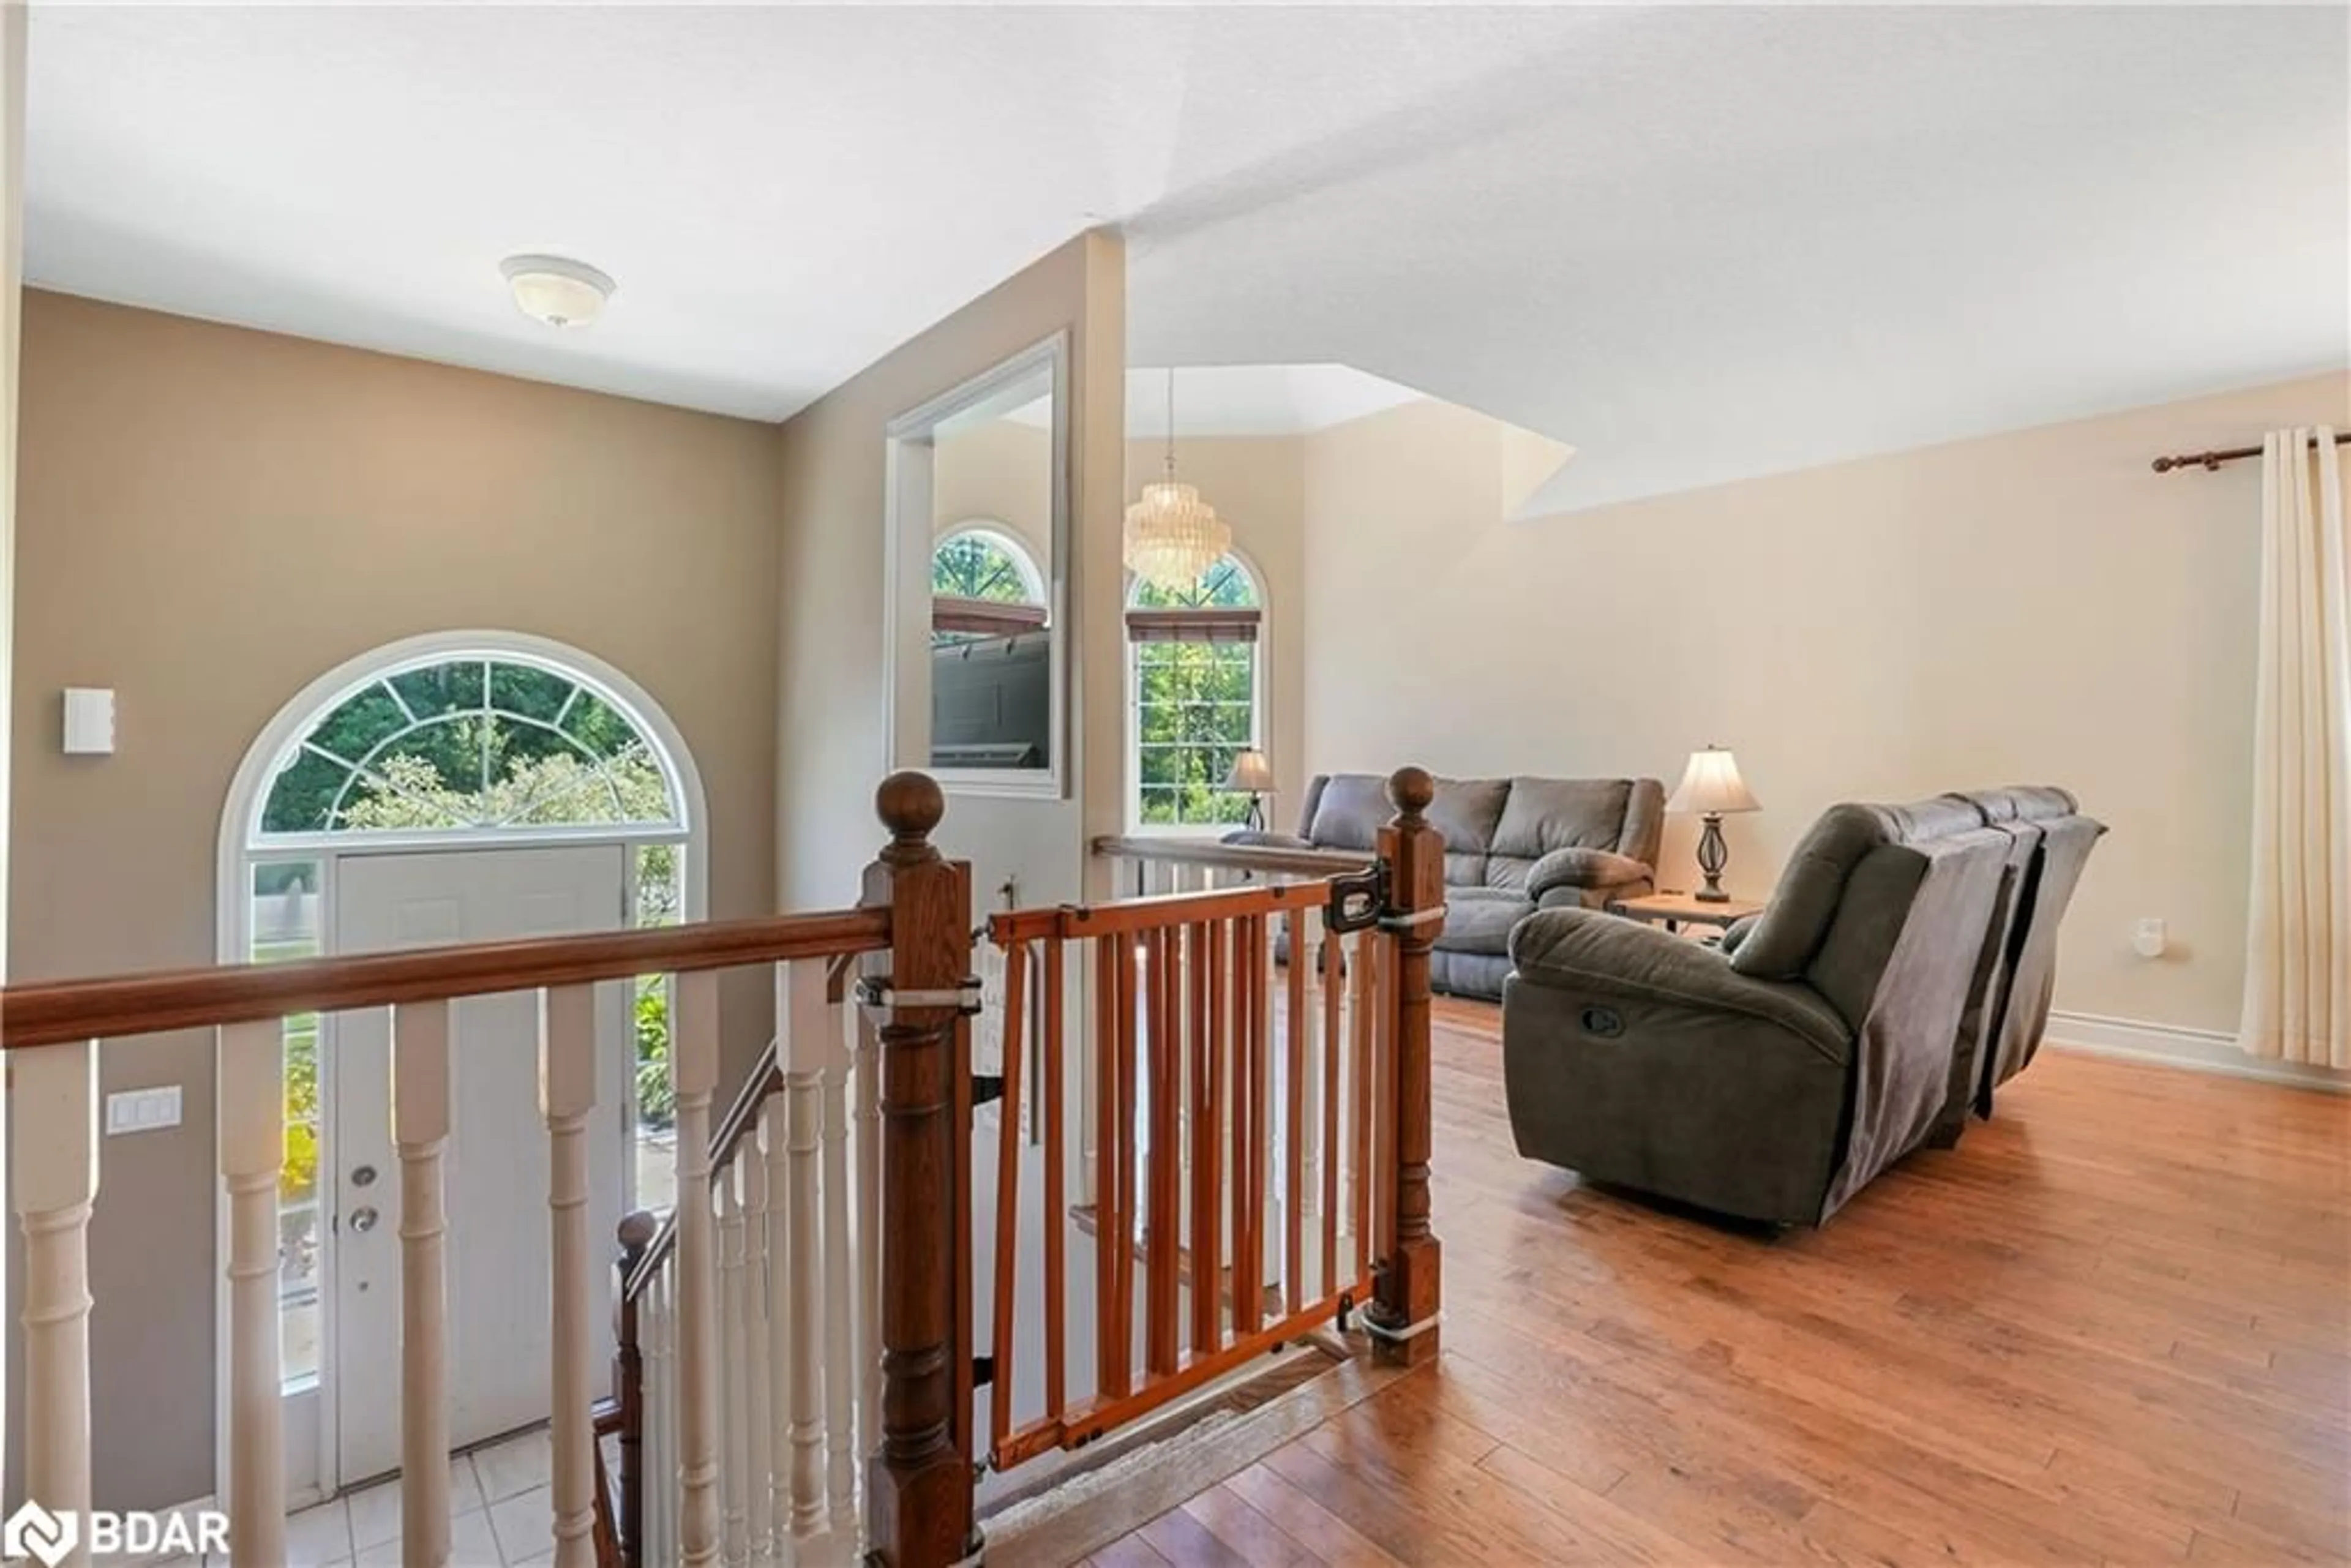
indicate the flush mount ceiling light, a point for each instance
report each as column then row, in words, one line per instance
column 555, row 289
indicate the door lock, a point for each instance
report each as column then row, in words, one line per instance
column 363, row 1219
column 363, row 1176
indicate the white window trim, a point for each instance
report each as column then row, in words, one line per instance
column 1260, row 708
column 242, row 846
column 905, row 498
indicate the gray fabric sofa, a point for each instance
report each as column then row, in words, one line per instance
column 1512, row 846
column 1771, row 1077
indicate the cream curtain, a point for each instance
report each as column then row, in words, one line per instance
column 2298, row 940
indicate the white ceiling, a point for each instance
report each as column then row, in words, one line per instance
column 1697, row 243
column 1245, row 399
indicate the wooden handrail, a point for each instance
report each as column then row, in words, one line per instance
column 766, row 1076
column 63, row 1012
column 1234, row 857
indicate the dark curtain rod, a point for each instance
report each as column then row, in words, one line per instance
column 2215, row 459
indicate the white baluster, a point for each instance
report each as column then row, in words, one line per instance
column 655, row 1482
column 839, row 1386
column 805, row 1048
column 673, row 1484
column 755, row 1387
column 693, row 1075
column 420, row 1131
column 567, row 1095
column 735, row 1434
column 1088, row 1175
column 865, row 1334
column 1311, row 945
column 778, row 1499
column 661, row 1423
column 55, row 1170
column 252, row 1155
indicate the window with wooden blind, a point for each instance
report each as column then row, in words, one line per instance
column 1196, row 661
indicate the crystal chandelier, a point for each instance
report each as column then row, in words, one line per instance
column 1173, row 536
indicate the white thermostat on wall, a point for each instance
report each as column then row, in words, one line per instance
column 89, row 721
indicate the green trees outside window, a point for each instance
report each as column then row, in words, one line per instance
column 1195, row 706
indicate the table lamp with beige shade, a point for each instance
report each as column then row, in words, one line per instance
column 1711, row 786
column 1252, row 776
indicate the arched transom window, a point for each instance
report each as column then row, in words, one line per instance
column 1197, row 694
column 983, row 584
column 982, row 563
column 469, row 745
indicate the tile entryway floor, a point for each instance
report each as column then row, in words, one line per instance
column 499, row 1515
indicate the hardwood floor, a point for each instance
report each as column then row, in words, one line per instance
column 2113, row 1326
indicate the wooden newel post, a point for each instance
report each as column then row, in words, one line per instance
column 1405, row 1314
column 637, row 1232
column 919, row 1482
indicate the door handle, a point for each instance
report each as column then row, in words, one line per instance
column 363, row 1218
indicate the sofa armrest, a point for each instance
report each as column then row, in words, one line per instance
column 1583, row 868
column 1735, row 935
column 1585, row 951
column 1600, row 895
column 1266, row 839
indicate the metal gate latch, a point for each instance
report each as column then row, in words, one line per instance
column 876, row 993
column 1357, row 900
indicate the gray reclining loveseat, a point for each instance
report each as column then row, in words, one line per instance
column 1895, row 970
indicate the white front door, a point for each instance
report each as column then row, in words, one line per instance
column 496, row 1165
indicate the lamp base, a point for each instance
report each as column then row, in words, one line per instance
column 1255, row 820
column 1713, row 854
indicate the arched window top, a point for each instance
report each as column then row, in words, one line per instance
column 470, row 743
column 979, row 562
column 1227, row 585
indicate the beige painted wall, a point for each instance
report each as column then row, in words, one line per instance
column 2037, row 606
column 833, row 741
column 999, row 474
column 211, row 517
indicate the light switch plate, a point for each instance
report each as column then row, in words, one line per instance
column 89, row 721
column 142, row 1110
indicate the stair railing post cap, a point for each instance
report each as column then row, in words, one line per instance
column 910, row 804
column 1411, row 789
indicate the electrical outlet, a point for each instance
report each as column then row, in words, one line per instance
column 142, row 1110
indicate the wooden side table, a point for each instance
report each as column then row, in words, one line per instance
column 1676, row 909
